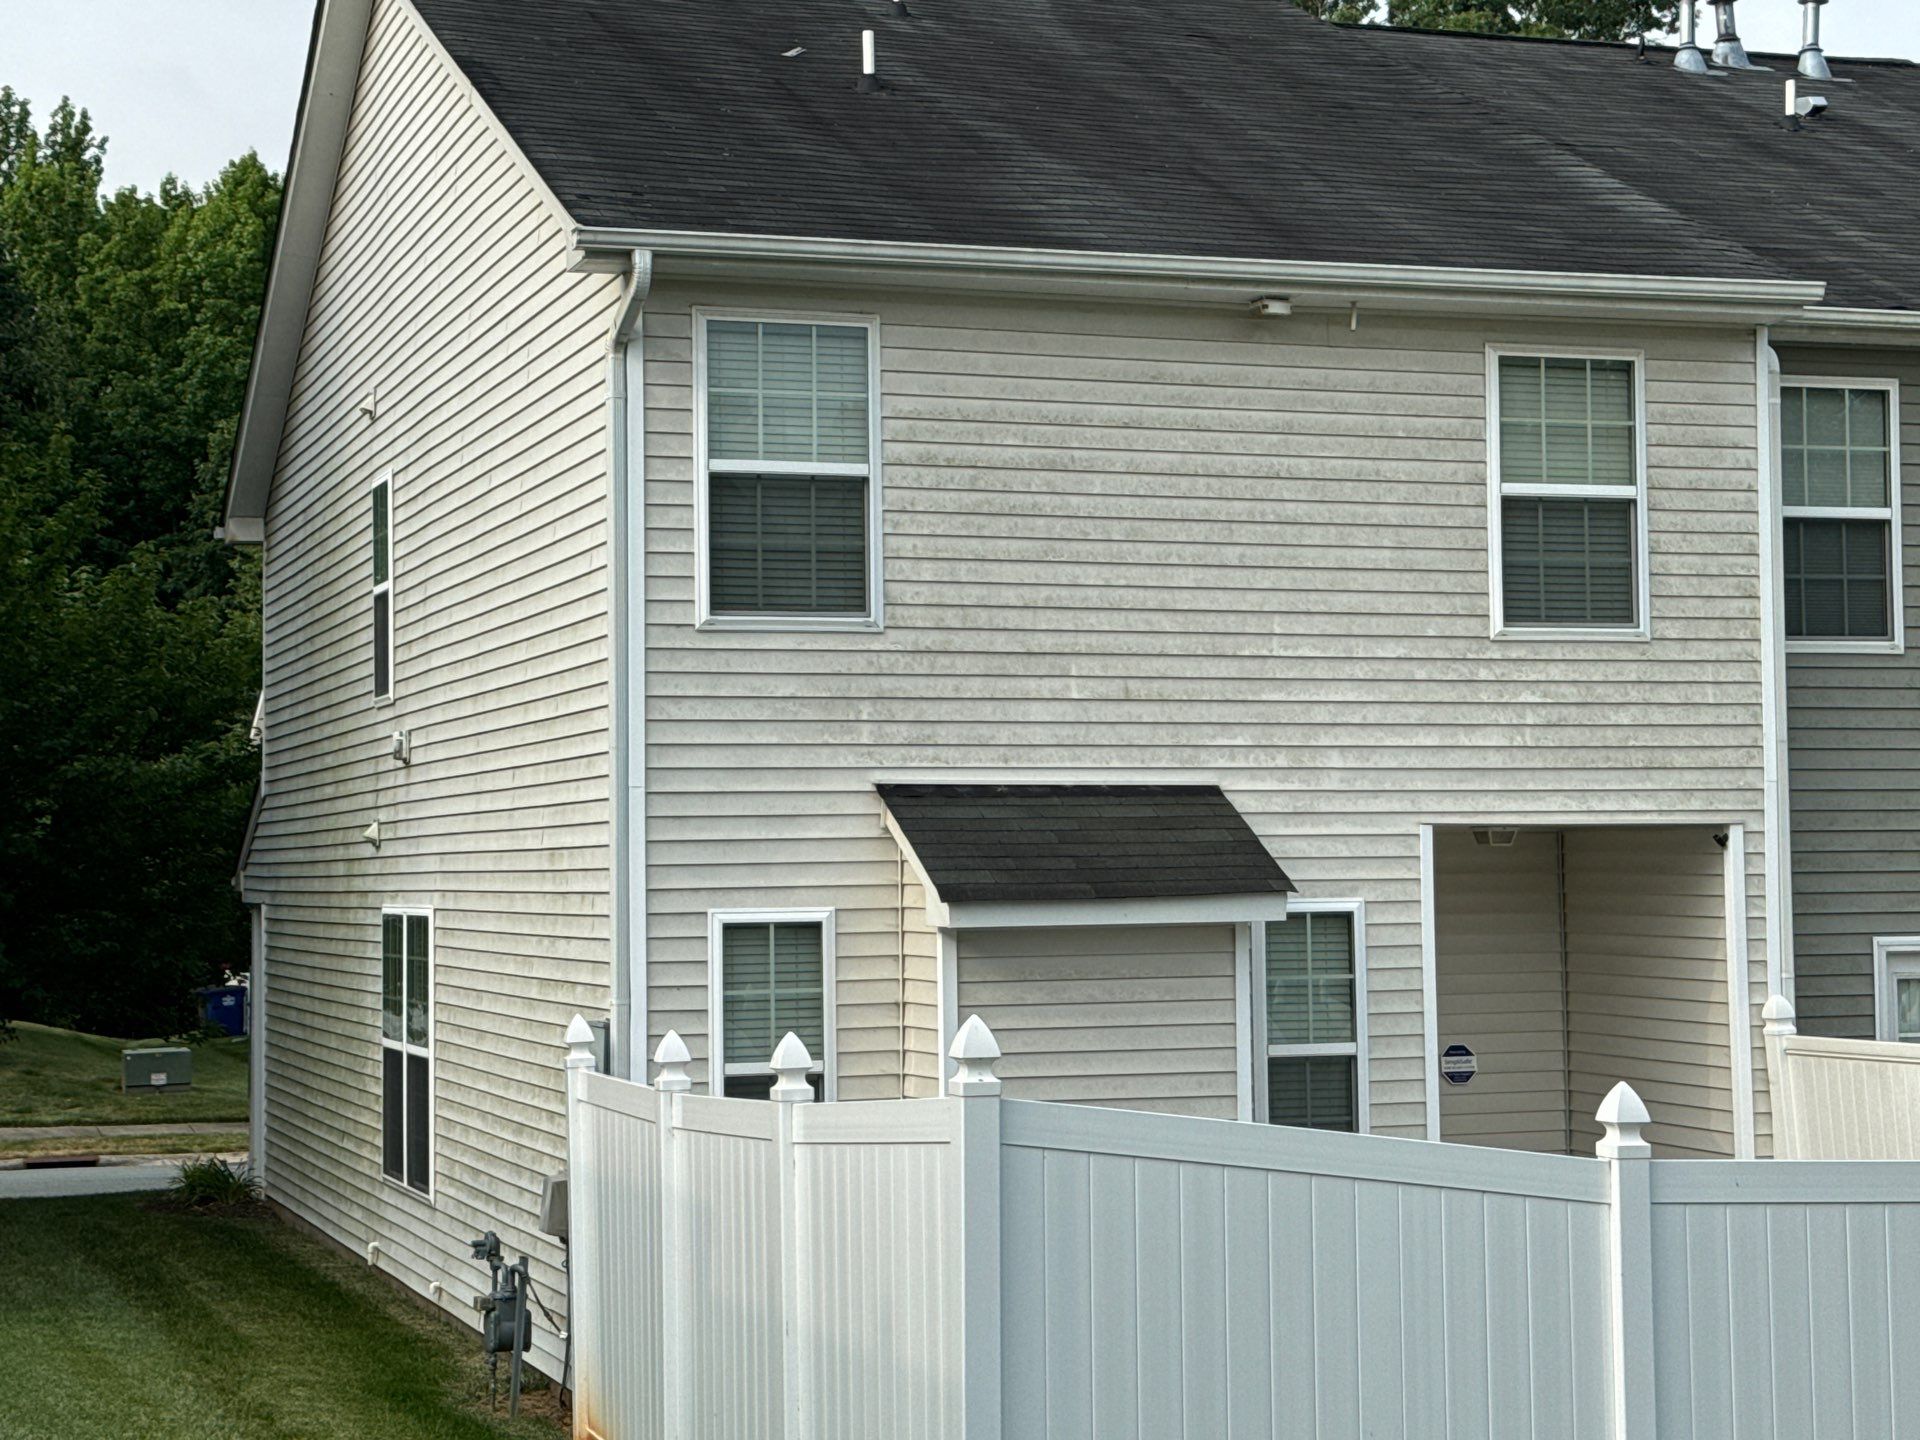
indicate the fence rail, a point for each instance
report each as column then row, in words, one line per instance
column 978, row 1268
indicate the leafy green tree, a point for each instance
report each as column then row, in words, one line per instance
column 1559, row 19
column 131, row 659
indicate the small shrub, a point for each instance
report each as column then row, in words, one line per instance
column 210, row 1183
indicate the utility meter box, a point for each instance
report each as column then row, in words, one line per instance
column 154, row 1071
column 553, row 1205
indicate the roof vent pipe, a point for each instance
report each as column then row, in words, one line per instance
column 1813, row 61
column 868, row 80
column 1728, row 52
column 1689, row 59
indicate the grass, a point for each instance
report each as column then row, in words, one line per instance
column 218, row 1142
column 61, row 1077
column 129, row 1321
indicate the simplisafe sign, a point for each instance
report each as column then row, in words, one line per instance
column 1457, row 1065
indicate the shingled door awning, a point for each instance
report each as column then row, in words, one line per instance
column 1083, row 854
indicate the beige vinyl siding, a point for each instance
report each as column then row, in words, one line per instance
column 1853, row 724
column 920, row 989
column 1647, row 984
column 442, row 306
column 1500, row 981
column 1137, row 1017
column 1179, row 543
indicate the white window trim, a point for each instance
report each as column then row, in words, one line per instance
column 406, row 1048
column 1894, row 957
column 1643, row 590
column 718, row 1065
column 1890, row 512
column 1261, row 1051
column 385, row 477
column 704, row 618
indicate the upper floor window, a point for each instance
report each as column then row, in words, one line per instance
column 382, row 500
column 1896, row 1003
column 771, row 974
column 1840, row 509
column 1313, row 1012
column 1568, row 502
column 789, row 505
column 406, row 1047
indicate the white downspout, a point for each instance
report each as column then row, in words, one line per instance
column 627, row 643
column 1773, row 676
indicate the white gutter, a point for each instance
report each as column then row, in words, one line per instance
column 603, row 248
column 627, row 646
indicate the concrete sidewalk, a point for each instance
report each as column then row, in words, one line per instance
column 87, row 1180
column 98, row 1132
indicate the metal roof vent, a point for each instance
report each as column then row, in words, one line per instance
column 1728, row 52
column 1813, row 61
column 1689, row 58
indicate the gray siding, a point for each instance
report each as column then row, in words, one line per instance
column 1136, row 1017
column 442, row 302
column 1179, row 543
column 1853, row 723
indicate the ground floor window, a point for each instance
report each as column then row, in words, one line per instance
column 1897, row 1005
column 406, row 1047
column 1314, row 986
column 771, row 974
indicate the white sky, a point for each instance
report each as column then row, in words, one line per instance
column 186, row 85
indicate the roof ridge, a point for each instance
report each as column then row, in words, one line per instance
column 1663, row 46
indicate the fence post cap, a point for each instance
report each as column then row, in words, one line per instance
column 975, row 1050
column 1622, row 1113
column 580, row 1044
column 791, row 1062
column 1779, row 1015
column 671, row 1056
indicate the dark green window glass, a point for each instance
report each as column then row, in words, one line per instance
column 1836, row 579
column 787, row 545
column 771, row 983
column 1567, row 562
column 1313, row 1091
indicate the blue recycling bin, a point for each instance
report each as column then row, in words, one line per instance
column 224, row 1007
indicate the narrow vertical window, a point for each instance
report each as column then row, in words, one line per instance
column 1312, row 1000
column 406, row 1047
column 1898, row 1003
column 772, row 977
column 1840, row 498
column 788, row 513
column 382, row 501
column 1568, row 513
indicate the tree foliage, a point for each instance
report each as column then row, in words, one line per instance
column 131, row 652
column 1557, row 19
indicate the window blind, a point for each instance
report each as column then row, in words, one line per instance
column 787, row 545
column 1316, row 1092
column 772, row 983
column 1567, row 562
column 1310, row 980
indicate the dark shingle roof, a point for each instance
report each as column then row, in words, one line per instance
column 1225, row 128
column 1081, row 842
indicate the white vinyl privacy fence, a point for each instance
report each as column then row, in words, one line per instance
column 974, row 1267
column 1841, row 1099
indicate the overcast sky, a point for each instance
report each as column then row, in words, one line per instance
column 186, row 85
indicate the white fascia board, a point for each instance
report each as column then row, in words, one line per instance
column 319, row 140
column 604, row 248
column 1835, row 325
column 937, row 910
column 1164, row 910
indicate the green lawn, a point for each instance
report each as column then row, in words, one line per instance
column 129, row 1323
column 60, row 1077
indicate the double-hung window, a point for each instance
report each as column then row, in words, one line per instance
column 406, row 1047
column 788, row 511
column 1897, row 980
column 1568, row 496
column 1840, row 514
column 382, row 502
column 771, row 974
column 1314, row 1027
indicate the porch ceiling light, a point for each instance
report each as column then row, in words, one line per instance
column 1501, row 838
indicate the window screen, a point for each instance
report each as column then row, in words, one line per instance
column 1315, row 1092
column 1311, row 1021
column 1838, row 491
column 1569, row 480
column 789, row 469
column 382, row 595
column 771, row 984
